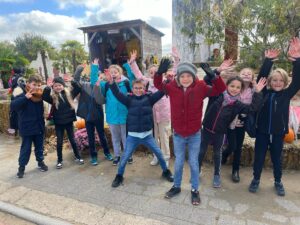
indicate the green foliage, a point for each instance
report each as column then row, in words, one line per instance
column 260, row 24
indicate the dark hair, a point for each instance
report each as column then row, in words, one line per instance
column 233, row 78
column 138, row 81
column 35, row 78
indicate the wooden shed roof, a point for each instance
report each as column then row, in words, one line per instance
column 119, row 25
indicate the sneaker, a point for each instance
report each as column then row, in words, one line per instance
column 20, row 173
column 168, row 175
column 117, row 181
column 94, row 161
column 116, row 160
column 167, row 163
column 79, row 161
column 195, row 197
column 279, row 188
column 154, row 161
column 253, row 187
column 217, row 181
column 173, row 192
column 108, row 157
column 42, row 166
column 130, row 160
column 235, row 176
column 59, row 165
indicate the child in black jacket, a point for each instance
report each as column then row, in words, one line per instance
column 272, row 120
column 63, row 115
column 220, row 114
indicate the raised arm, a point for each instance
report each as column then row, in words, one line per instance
column 270, row 56
column 77, row 73
column 156, row 97
column 158, row 78
column 135, row 69
column 218, row 87
column 46, row 96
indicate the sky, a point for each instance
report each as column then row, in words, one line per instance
column 59, row 20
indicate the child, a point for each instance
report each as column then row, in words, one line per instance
column 63, row 115
column 272, row 120
column 90, row 109
column 161, row 109
column 116, row 112
column 28, row 104
column 186, row 94
column 236, row 130
column 220, row 114
column 139, row 123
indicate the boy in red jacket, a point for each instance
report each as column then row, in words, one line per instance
column 186, row 98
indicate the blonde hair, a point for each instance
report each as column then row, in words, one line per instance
column 56, row 96
column 283, row 74
column 117, row 67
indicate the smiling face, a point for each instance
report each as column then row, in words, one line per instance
column 115, row 73
column 138, row 89
column 247, row 75
column 186, row 79
column 57, row 87
column 34, row 85
column 277, row 82
column 234, row 87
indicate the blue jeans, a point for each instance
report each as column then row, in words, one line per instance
column 132, row 143
column 38, row 141
column 193, row 143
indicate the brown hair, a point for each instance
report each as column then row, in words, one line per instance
column 233, row 78
column 283, row 74
column 35, row 78
column 138, row 81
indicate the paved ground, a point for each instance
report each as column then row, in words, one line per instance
column 83, row 194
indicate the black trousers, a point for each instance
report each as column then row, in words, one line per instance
column 216, row 140
column 235, row 140
column 60, row 129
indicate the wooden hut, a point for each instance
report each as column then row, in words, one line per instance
column 112, row 43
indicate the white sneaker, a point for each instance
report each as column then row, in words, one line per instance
column 79, row 161
column 154, row 161
column 167, row 162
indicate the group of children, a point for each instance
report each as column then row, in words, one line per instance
column 175, row 96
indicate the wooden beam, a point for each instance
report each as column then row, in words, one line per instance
column 92, row 38
column 135, row 33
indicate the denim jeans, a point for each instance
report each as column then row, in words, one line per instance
column 38, row 141
column 132, row 143
column 193, row 143
column 118, row 135
column 90, row 128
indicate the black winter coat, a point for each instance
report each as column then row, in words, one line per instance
column 273, row 118
column 65, row 113
column 218, row 117
column 140, row 115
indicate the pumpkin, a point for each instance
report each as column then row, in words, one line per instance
column 80, row 124
column 290, row 136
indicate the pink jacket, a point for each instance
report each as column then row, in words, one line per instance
column 161, row 109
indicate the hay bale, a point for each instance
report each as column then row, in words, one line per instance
column 4, row 115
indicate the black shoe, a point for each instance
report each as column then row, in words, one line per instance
column 254, row 186
column 279, row 188
column 195, row 197
column 117, row 181
column 20, row 173
column 130, row 160
column 173, row 192
column 42, row 166
column 116, row 160
column 168, row 175
column 235, row 176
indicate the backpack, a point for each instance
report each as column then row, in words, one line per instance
column 106, row 87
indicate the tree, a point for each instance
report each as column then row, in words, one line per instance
column 72, row 53
column 29, row 44
column 259, row 24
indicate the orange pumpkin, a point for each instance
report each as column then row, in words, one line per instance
column 80, row 124
column 290, row 136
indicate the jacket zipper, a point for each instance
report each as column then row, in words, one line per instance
column 217, row 117
column 270, row 112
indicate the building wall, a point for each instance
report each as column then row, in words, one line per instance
column 151, row 43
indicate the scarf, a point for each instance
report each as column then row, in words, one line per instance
column 228, row 99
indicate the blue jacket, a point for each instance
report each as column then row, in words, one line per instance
column 140, row 113
column 30, row 114
column 116, row 112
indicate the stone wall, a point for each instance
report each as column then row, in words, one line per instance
column 151, row 43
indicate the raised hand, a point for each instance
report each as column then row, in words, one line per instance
column 29, row 94
column 294, row 49
column 164, row 65
column 108, row 76
column 226, row 64
column 133, row 56
column 260, row 85
column 50, row 81
column 272, row 54
column 67, row 78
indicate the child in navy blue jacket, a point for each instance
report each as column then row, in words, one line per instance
column 272, row 120
column 28, row 104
